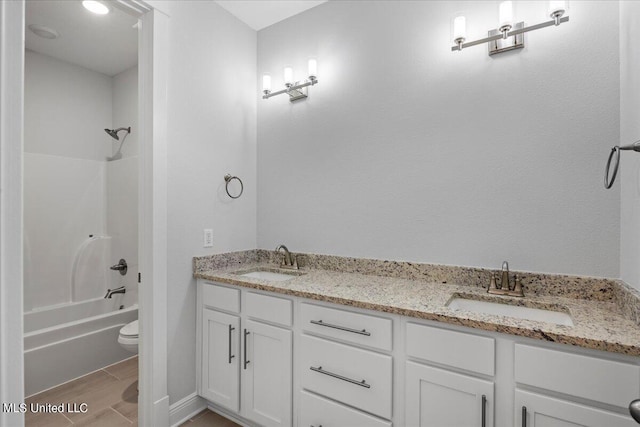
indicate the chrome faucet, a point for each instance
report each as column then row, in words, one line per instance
column 504, row 281
column 504, row 287
column 110, row 292
column 288, row 260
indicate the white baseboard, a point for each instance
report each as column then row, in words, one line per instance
column 186, row 408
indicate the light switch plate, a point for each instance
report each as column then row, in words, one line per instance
column 208, row 238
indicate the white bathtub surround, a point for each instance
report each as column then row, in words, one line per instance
column 90, row 205
column 64, row 203
column 410, row 151
column 122, row 222
column 90, row 272
column 79, row 338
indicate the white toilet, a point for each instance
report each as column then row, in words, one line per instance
column 128, row 337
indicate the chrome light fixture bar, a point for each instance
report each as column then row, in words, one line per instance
column 295, row 90
column 507, row 36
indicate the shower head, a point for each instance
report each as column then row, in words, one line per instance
column 113, row 133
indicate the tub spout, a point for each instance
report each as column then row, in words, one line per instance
column 110, row 292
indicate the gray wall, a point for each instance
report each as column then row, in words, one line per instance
column 407, row 151
column 211, row 132
column 630, row 132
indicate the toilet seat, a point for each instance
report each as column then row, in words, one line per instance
column 128, row 337
column 130, row 329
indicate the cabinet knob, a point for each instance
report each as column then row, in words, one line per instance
column 634, row 410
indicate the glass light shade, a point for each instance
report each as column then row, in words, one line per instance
column 557, row 7
column 313, row 68
column 288, row 75
column 95, row 7
column 266, row 82
column 459, row 28
column 506, row 13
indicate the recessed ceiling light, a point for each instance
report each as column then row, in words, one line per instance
column 44, row 32
column 95, row 7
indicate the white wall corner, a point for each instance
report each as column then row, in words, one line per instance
column 629, row 177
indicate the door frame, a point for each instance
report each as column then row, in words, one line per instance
column 11, row 136
column 153, row 64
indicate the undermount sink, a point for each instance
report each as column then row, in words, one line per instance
column 270, row 274
column 460, row 303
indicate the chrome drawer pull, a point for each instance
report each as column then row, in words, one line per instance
column 362, row 383
column 342, row 328
column 231, row 356
column 246, row 362
column 524, row 416
column 484, row 411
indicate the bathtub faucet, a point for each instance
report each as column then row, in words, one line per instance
column 110, row 292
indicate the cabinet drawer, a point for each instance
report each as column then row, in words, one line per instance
column 357, row 328
column 588, row 377
column 359, row 378
column 458, row 349
column 316, row 411
column 221, row 297
column 271, row 309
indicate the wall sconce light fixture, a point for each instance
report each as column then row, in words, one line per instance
column 508, row 35
column 295, row 90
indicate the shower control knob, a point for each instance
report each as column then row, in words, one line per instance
column 121, row 266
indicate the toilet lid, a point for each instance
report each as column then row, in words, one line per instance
column 130, row 329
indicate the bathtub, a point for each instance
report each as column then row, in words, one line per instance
column 68, row 341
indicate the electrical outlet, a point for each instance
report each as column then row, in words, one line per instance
column 208, row 238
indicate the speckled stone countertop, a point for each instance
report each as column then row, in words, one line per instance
column 604, row 312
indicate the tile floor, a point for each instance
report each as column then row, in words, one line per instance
column 111, row 396
column 207, row 418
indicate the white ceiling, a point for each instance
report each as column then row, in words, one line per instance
column 259, row 14
column 104, row 43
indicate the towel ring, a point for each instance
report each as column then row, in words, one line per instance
column 228, row 178
column 608, row 183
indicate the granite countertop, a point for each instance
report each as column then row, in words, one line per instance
column 598, row 324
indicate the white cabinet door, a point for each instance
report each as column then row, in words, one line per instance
column 267, row 374
column 439, row 398
column 544, row 411
column 220, row 381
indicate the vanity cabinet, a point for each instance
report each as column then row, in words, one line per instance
column 439, row 398
column 537, row 410
column 245, row 356
column 358, row 368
